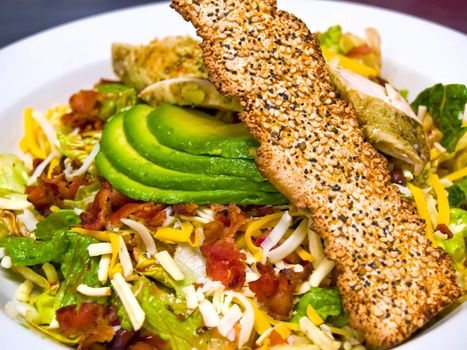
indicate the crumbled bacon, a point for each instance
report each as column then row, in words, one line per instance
column 224, row 262
column 258, row 210
column 152, row 214
column 122, row 339
column 276, row 291
column 92, row 322
column 185, row 209
column 53, row 190
column 85, row 106
column 106, row 200
column 361, row 50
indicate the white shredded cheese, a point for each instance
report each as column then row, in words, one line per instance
column 14, row 204
column 28, row 219
column 131, row 305
column 169, row 265
column 41, row 167
column 6, row 262
column 86, row 163
column 23, row 293
column 210, row 317
column 317, row 335
column 97, row 249
column 276, row 234
column 103, row 270
column 143, row 233
column 2, row 252
column 47, row 126
column 290, row 244
column 125, row 259
column 191, row 298
column 248, row 319
column 229, row 320
column 93, row 292
column 226, row 304
column 264, row 336
column 440, row 148
column 323, row 269
column 200, row 294
column 315, row 245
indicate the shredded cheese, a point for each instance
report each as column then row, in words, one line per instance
column 315, row 245
column 253, row 230
column 23, row 293
column 97, row 249
column 131, row 305
column 34, row 139
column 290, row 244
column 14, row 204
column 210, row 317
column 86, row 164
column 169, row 265
column 53, row 164
column 28, row 219
column 313, row 315
column 143, row 233
column 227, row 323
column 248, row 319
column 184, row 235
column 125, row 258
column 191, row 298
column 456, row 175
column 93, row 292
column 422, row 209
column 323, row 269
column 103, row 270
column 46, row 127
column 275, row 235
column 303, row 254
column 99, row 235
column 317, row 335
column 442, row 197
column 41, row 167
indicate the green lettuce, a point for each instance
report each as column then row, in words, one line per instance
column 58, row 221
column 445, row 103
column 455, row 246
column 25, row 251
column 330, row 39
column 326, row 301
column 13, row 173
column 458, row 194
column 179, row 330
column 117, row 97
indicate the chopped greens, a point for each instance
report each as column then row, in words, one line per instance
column 327, row 302
column 458, row 194
column 330, row 39
column 445, row 103
column 58, row 221
column 13, row 173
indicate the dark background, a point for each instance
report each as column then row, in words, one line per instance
column 20, row 18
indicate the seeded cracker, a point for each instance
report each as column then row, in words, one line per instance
column 392, row 280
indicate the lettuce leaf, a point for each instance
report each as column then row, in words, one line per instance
column 180, row 334
column 326, row 301
column 455, row 246
column 330, row 39
column 77, row 268
column 458, row 194
column 445, row 103
column 13, row 173
column 58, row 221
column 25, row 251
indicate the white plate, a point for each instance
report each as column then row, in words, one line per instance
column 47, row 68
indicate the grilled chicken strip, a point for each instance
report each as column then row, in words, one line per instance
column 391, row 278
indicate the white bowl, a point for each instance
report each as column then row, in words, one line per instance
column 45, row 69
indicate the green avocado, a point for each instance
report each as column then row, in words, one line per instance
column 196, row 132
column 129, row 162
column 142, row 140
column 139, row 191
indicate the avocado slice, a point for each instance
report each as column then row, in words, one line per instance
column 129, row 162
column 142, row 140
column 135, row 190
column 196, row 132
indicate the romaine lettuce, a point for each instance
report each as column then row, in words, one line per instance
column 330, row 39
column 458, row 194
column 61, row 220
column 455, row 246
column 445, row 103
column 326, row 301
column 13, row 173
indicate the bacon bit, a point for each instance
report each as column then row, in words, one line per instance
column 224, row 219
column 276, row 292
column 104, row 81
column 92, row 322
column 106, row 200
column 361, row 50
column 122, row 339
column 152, row 214
column 276, row 339
column 293, row 258
column 224, row 262
column 185, row 209
column 258, row 210
column 445, row 230
column 266, row 286
column 85, row 106
column 52, row 191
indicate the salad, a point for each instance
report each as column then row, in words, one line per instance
column 137, row 219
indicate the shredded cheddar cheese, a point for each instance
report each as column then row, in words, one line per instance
column 313, row 315
column 184, row 235
column 459, row 174
column 103, row 236
column 422, row 209
column 442, row 198
column 253, row 230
